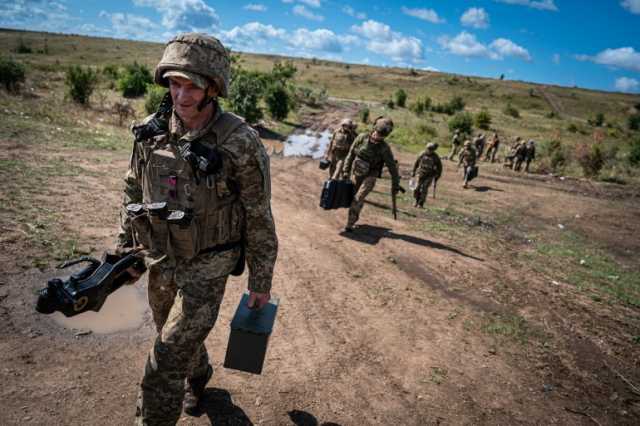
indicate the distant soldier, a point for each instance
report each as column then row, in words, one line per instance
column 519, row 155
column 339, row 146
column 529, row 154
column 479, row 143
column 455, row 144
column 510, row 157
column 368, row 154
column 429, row 168
column 492, row 148
column 468, row 160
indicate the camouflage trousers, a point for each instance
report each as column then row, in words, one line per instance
column 454, row 150
column 491, row 153
column 337, row 160
column 184, row 298
column 364, row 185
column 422, row 188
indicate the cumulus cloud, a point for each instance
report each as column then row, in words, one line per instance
column 312, row 3
column 352, row 12
column 382, row 40
column 541, row 4
column 321, row 39
column 251, row 34
column 623, row 57
column 466, row 44
column 255, row 7
column 475, row 17
column 36, row 15
column 184, row 15
column 632, row 6
column 126, row 25
column 428, row 15
column 306, row 13
column 627, row 85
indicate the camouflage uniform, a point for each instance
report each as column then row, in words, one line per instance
column 492, row 148
column 510, row 157
column 519, row 153
column 455, row 145
column 338, row 148
column 479, row 143
column 189, row 265
column 468, row 158
column 529, row 154
column 428, row 167
column 367, row 157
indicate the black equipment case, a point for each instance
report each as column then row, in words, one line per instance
column 337, row 194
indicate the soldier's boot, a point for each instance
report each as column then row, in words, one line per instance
column 193, row 391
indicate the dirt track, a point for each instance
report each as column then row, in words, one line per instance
column 386, row 326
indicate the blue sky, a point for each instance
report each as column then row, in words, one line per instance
column 593, row 44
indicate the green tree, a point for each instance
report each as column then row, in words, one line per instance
column 153, row 98
column 511, row 111
column 134, row 80
column 462, row 121
column 80, row 83
column 278, row 101
column 483, row 119
column 12, row 73
column 244, row 96
column 364, row 115
column 401, row 98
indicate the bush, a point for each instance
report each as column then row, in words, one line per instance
column 23, row 47
column 511, row 111
column 590, row 158
column 454, row 105
column 597, row 121
column 421, row 105
column 11, row 74
column 364, row 115
column 401, row 98
column 112, row 72
column 134, row 80
column 153, row 98
column 572, row 128
column 244, row 96
column 278, row 101
column 461, row 121
column 483, row 120
column 309, row 96
column 634, row 122
column 389, row 104
column 634, row 153
column 80, row 83
column 283, row 72
column 426, row 130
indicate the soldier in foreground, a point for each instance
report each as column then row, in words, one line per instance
column 492, row 148
column 338, row 148
column 429, row 168
column 455, row 144
column 468, row 158
column 197, row 201
column 529, row 154
column 368, row 154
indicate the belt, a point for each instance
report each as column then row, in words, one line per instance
column 220, row 247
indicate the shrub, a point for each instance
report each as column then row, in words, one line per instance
column 461, row 121
column 401, row 98
column 451, row 107
column 572, row 128
column 11, row 74
column 483, row 120
column 23, row 47
column 278, row 101
column 283, row 72
column 153, row 98
column 590, row 158
column 597, row 121
column 244, row 96
column 389, row 104
column 634, row 121
column 551, row 114
column 634, row 153
column 309, row 96
column 364, row 115
column 511, row 111
column 421, row 105
column 80, row 83
column 134, row 80
column 112, row 72
column 426, row 130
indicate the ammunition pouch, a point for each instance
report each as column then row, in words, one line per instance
column 183, row 235
column 361, row 167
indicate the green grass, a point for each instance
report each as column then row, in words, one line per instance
column 510, row 326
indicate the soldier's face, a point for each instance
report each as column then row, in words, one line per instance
column 186, row 97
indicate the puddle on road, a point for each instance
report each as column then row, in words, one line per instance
column 123, row 310
column 309, row 144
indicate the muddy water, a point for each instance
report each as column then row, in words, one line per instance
column 309, row 144
column 123, row 310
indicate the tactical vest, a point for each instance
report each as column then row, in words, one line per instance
column 215, row 216
column 371, row 154
column 428, row 166
column 341, row 141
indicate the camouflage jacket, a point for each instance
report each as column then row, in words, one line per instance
column 340, row 141
column 376, row 154
column 247, row 164
column 429, row 164
column 530, row 152
column 468, row 157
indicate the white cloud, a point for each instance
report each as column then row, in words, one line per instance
column 623, row 57
column 556, row 58
column 312, row 3
column 475, row 17
column 541, row 4
column 322, row 39
column 432, row 69
column 384, row 41
column 505, row 47
column 429, row 15
column 126, row 25
column 628, row 85
column 306, row 13
column 632, row 6
column 38, row 15
column 352, row 12
column 251, row 34
column 466, row 44
column 184, row 15
column 255, row 7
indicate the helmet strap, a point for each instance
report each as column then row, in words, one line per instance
column 206, row 100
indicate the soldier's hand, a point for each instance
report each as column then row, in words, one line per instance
column 258, row 300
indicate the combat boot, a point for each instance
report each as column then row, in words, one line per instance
column 193, row 391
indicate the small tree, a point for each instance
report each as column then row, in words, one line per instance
column 112, row 72
column 12, row 73
column 462, row 121
column 80, row 83
column 244, row 96
column 483, row 119
column 511, row 111
column 134, row 80
column 364, row 115
column 401, row 98
column 283, row 72
column 389, row 104
column 597, row 121
column 153, row 98
column 590, row 157
column 278, row 101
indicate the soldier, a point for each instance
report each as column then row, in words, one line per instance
column 519, row 155
column 429, row 167
column 203, row 176
column 510, row 157
column 479, row 143
column 492, row 148
column 455, row 144
column 529, row 154
column 468, row 160
column 339, row 146
column 368, row 154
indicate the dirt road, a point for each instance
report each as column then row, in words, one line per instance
column 450, row 315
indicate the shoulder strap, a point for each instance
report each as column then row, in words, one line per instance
column 225, row 125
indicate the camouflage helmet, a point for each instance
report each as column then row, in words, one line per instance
column 432, row 146
column 467, row 143
column 193, row 56
column 383, row 126
column 346, row 122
